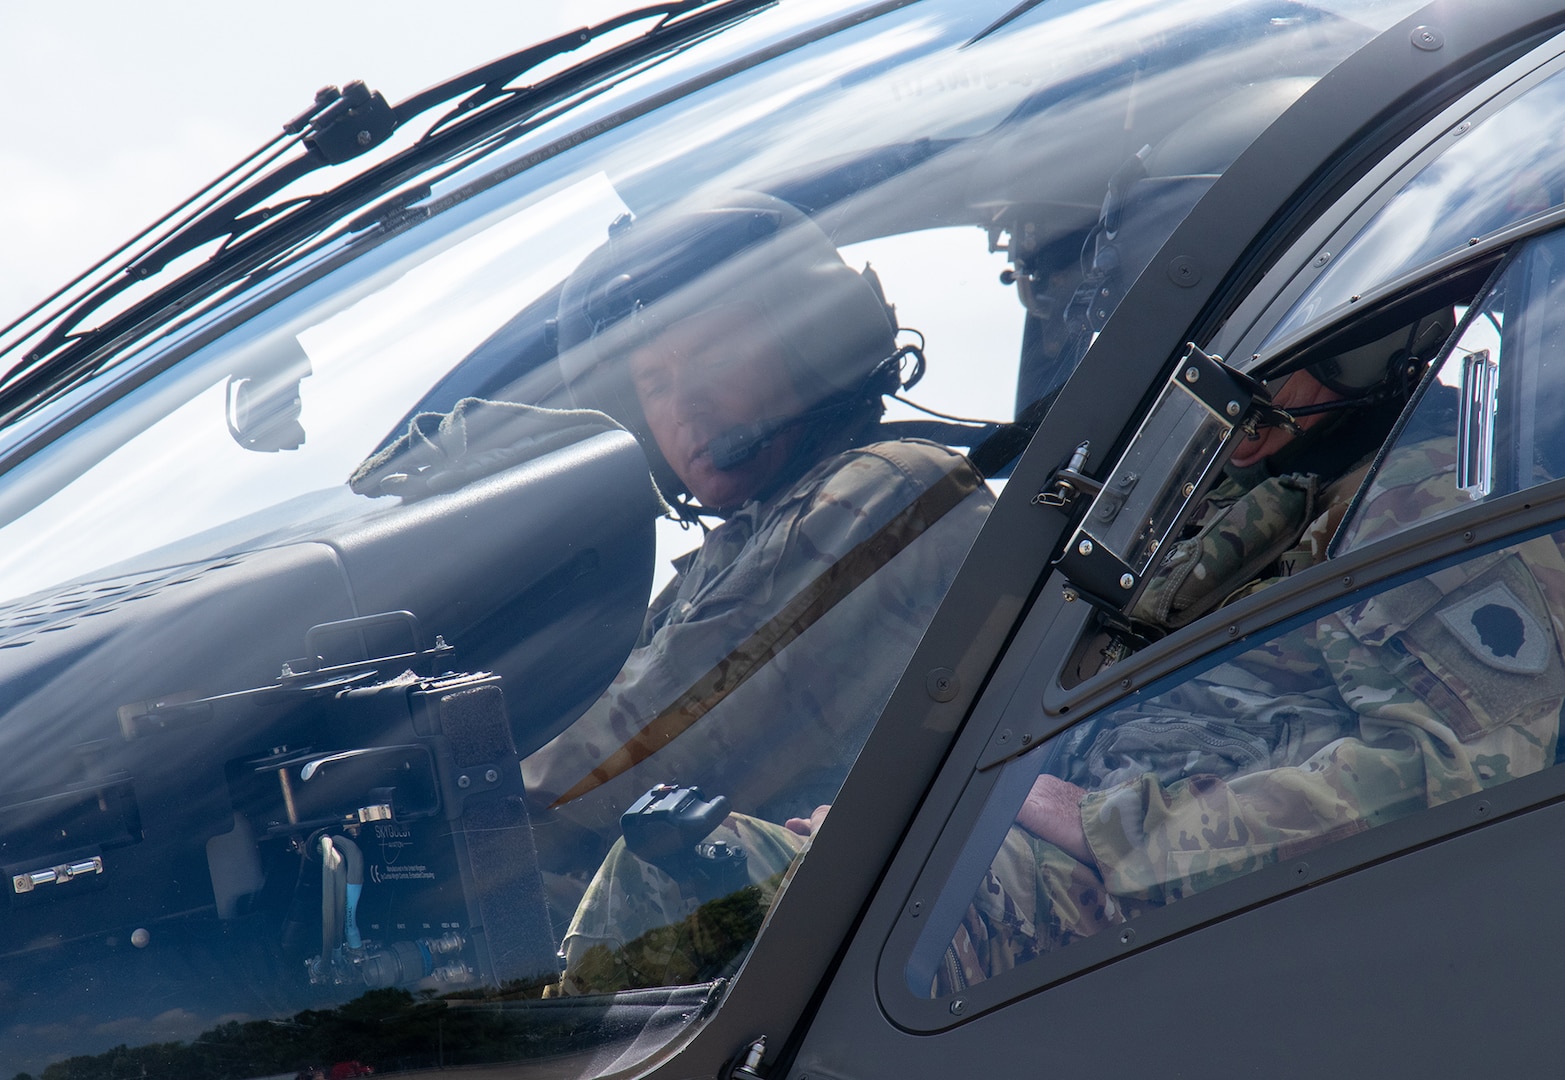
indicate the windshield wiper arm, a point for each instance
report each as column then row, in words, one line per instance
column 1003, row 21
column 337, row 127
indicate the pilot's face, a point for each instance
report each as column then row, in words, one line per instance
column 705, row 376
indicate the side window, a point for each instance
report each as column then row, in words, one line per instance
column 1413, row 696
column 1487, row 422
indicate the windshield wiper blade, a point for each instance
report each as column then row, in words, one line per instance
column 55, row 350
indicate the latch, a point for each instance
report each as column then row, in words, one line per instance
column 1070, row 482
column 1478, row 404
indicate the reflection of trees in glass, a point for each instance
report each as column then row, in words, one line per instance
column 389, row 1030
column 393, row 1030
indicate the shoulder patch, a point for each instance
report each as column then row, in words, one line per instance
column 1497, row 628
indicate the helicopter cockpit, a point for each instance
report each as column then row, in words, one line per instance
column 337, row 633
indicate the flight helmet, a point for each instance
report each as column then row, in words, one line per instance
column 831, row 324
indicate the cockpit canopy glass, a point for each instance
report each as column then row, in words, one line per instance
column 1458, row 194
column 459, row 640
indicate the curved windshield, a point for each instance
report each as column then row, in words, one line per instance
column 1451, row 202
column 445, row 664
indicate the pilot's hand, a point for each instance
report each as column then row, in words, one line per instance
column 1052, row 812
column 807, row 826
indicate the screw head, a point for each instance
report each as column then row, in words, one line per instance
column 464, row 781
column 941, row 684
column 958, row 1007
column 491, row 775
column 1232, row 408
column 1182, row 271
column 1192, row 375
column 1127, row 581
column 1085, row 547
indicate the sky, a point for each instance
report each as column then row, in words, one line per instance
column 114, row 112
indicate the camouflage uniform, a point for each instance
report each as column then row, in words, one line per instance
column 749, row 682
column 769, row 717
column 1427, row 692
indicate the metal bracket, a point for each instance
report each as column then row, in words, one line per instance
column 1098, row 573
column 1178, row 449
column 56, row 875
column 360, row 118
column 1222, row 389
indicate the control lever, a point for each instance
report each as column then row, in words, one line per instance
column 668, row 827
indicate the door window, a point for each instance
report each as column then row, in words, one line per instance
column 1410, row 697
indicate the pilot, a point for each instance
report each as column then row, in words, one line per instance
column 751, row 361
column 1432, row 690
column 1286, row 487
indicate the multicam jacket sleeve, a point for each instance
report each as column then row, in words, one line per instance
column 1451, row 684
